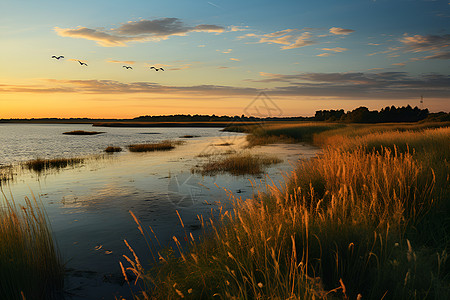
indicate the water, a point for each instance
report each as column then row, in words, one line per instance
column 88, row 205
column 21, row 142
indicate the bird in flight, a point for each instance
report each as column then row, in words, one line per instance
column 127, row 67
column 57, row 57
column 157, row 69
column 82, row 63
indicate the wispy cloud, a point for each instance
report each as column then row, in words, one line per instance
column 293, row 38
column 438, row 55
column 303, row 40
column 235, row 59
column 137, row 31
column 226, row 51
column 324, row 54
column 238, row 28
column 360, row 85
column 364, row 85
column 421, row 43
column 128, row 62
column 340, row 31
column 337, row 49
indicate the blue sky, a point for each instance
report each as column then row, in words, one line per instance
column 218, row 55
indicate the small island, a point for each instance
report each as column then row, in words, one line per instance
column 82, row 132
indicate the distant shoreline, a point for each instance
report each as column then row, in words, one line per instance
column 169, row 124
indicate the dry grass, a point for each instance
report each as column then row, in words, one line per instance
column 237, row 164
column 348, row 224
column 287, row 133
column 82, row 132
column 161, row 146
column 30, row 264
column 6, row 174
column 42, row 164
column 111, row 149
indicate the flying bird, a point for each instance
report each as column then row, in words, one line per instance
column 127, row 67
column 82, row 63
column 57, row 57
column 157, row 69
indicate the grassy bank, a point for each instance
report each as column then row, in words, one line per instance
column 161, row 146
column 30, row 264
column 368, row 219
column 112, row 149
column 237, row 164
column 82, row 132
column 42, row 164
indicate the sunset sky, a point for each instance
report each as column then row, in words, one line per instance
column 219, row 55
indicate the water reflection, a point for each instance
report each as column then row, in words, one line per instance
column 88, row 205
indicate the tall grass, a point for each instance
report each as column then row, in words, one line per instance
column 6, row 174
column 161, row 146
column 42, row 164
column 237, row 164
column 30, row 264
column 287, row 133
column 354, row 223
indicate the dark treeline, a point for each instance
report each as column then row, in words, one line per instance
column 364, row 115
column 358, row 115
column 212, row 118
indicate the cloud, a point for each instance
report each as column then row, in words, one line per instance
column 421, row 43
column 360, row 85
column 235, row 59
column 238, row 28
column 399, row 64
column 293, row 38
column 290, row 38
column 439, row 55
column 127, row 62
column 324, row 54
column 102, row 38
column 340, row 31
column 182, row 67
column 137, row 31
column 337, row 49
column 356, row 85
column 303, row 40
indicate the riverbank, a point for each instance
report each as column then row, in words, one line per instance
column 88, row 203
column 367, row 219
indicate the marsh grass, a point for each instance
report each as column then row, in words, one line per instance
column 43, row 164
column 112, row 149
column 237, row 164
column 6, row 174
column 287, row 133
column 364, row 222
column 30, row 264
column 82, row 132
column 161, row 146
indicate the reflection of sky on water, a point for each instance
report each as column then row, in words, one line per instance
column 88, row 206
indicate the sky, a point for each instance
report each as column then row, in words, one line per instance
column 261, row 58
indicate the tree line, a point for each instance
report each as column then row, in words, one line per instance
column 364, row 115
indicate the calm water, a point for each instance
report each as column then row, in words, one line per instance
column 21, row 142
column 88, row 205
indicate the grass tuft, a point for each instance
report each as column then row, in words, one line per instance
column 111, row 149
column 161, row 146
column 237, row 164
column 30, row 264
column 42, row 164
column 82, row 132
